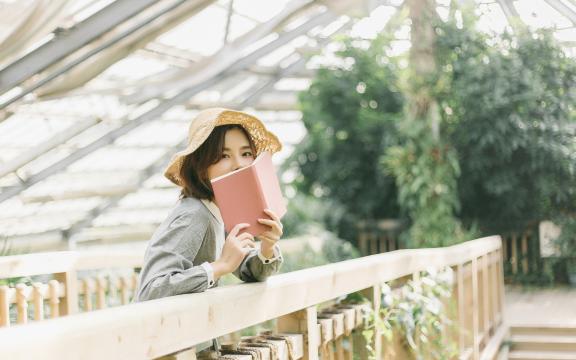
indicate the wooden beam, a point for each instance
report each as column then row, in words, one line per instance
column 66, row 261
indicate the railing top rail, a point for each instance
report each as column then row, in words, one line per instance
column 64, row 261
column 155, row 328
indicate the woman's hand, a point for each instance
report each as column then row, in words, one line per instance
column 270, row 238
column 236, row 247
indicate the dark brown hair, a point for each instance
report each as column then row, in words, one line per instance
column 194, row 170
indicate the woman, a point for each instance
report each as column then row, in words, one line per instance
column 189, row 251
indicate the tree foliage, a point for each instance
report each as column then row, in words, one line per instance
column 350, row 113
column 512, row 106
column 507, row 108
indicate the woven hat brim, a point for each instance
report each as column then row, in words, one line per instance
column 263, row 139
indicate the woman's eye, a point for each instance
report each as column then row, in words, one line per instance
column 248, row 153
column 225, row 156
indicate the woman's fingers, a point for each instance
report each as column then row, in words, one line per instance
column 245, row 236
column 272, row 215
column 248, row 242
column 269, row 235
column 236, row 229
column 269, row 240
column 273, row 224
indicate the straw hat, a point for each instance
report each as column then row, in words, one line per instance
column 206, row 121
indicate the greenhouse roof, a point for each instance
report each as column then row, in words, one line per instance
column 95, row 96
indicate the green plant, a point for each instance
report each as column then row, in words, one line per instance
column 419, row 311
column 423, row 315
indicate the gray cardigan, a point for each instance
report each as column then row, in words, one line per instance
column 188, row 237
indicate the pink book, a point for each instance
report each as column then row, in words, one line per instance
column 242, row 195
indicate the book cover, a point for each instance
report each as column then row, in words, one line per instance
column 242, row 195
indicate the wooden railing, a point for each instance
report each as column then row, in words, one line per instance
column 166, row 326
column 63, row 292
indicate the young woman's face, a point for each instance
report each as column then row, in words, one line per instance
column 237, row 154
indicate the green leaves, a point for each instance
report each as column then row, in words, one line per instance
column 418, row 312
column 349, row 113
column 514, row 122
column 499, row 150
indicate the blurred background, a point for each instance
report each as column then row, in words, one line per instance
column 405, row 123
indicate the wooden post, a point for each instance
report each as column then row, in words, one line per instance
column 349, row 325
column 373, row 242
column 87, row 289
column 524, row 245
column 374, row 294
column 359, row 341
column 326, row 337
column 505, row 249
column 363, row 242
column 38, row 301
column 100, row 292
column 304, row 322
column 124, row 289
column 4, row 306
column 494, row 288
column 54, row 298
column 21, row 304
column 514, row 254
column 383, row 242
column 69, row 303
column 134, row 283
column 475, row 312
column 338, row 332
column 461, row 309
column 486, row 295
column 500, row 288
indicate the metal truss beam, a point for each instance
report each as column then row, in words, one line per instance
column 123, row 45
column 68, row 41
column 225, row 58
column 107, row 44
column 165, row 105
column 111, row 202
column 46, row 146
column 293, row 68
column 509, row 11
column 563, row 9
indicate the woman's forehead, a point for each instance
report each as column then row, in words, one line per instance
column 236, row 138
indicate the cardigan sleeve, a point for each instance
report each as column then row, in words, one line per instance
column 168, row 269
column 253, row 269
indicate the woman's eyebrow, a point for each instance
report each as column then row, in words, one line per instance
column 242, row 148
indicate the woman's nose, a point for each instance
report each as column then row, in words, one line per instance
column 237, row 162
column 240, row 162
